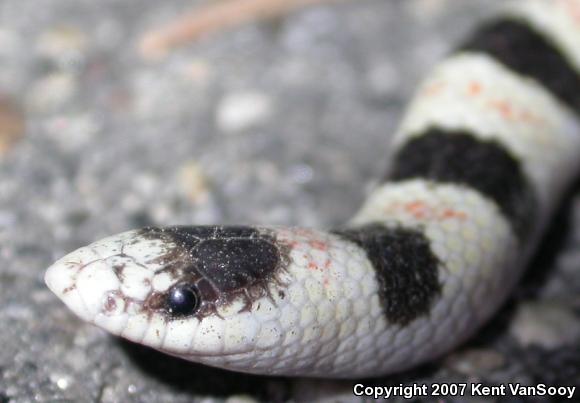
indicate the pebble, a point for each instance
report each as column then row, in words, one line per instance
column 52, row 91
column 61, row 381
column 193, row 182
column 241, row 399
column 72, row 132
column 242, row 110
column 10, row 42
column 300, row 174
column 382, row 80
column 475, row 361
column 545, row 324
column 428, row 8
column 62, row 43
column 196, row 71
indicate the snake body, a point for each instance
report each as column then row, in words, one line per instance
column 482, row 155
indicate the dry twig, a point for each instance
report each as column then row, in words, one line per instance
column 12, row 125
column 212, row 18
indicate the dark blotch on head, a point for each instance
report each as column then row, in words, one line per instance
column 220, row 263
column 457, row 157
column 234, row 263
column 527, row 51
column 230, row 258
column 188, row 236
column 405, row 266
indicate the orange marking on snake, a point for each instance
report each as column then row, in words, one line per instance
column 393, row 206
column 504, row 108
column 305, row 232
column 417, row 208
column 292, row 244
column 474, row 88
column 421, row 210
column 532, row 118
column 434, row 88
column 573, row 9
column 316, row 244
column 449, row 213
column 509, row 112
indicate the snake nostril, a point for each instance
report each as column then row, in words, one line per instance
column 183, row 300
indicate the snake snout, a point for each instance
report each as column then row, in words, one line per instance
column 101, row 280
column 81, row 280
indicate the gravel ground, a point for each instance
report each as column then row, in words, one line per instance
column 282, row 122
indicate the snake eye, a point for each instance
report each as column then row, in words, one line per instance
column 183, row 300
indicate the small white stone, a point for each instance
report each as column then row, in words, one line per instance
column 62, row 41
column 72, row 132
column 10, row 42
column 193, row 182
column 382, row 79
column 544, row 324
column 61, row 381
column 240, row 399
column 52, row 91
column 240, row 111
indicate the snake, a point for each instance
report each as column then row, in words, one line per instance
column 483, row 154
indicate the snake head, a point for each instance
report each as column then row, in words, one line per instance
column 187, row 291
